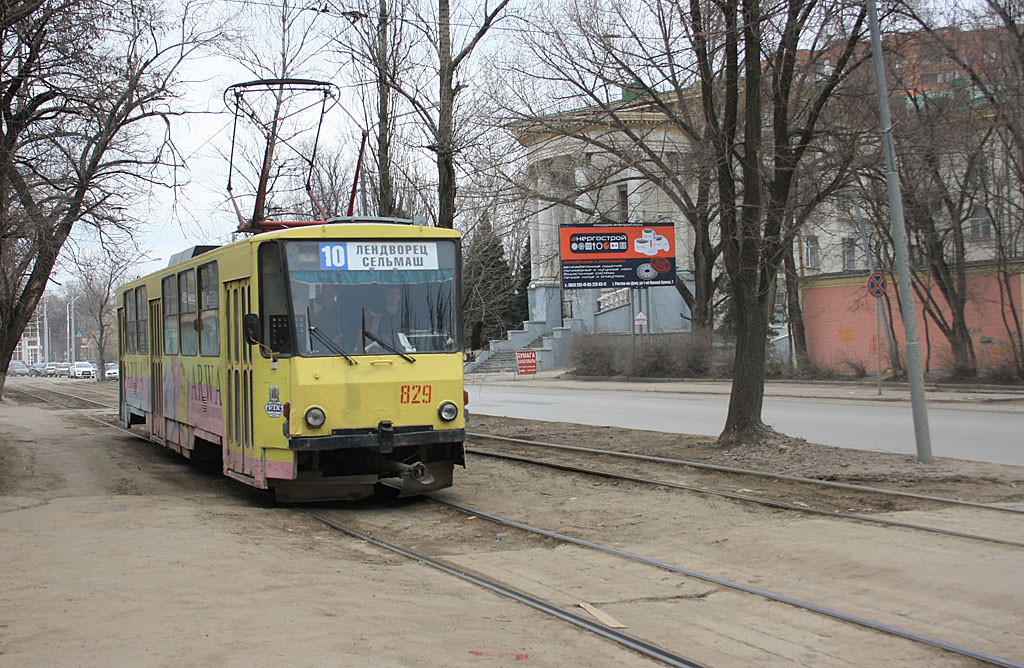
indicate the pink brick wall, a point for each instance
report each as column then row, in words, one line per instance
column 840, row 322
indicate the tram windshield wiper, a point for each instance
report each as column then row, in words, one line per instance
column 324, row 339
column 384, row 344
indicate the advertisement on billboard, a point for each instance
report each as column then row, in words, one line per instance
column 618, row 255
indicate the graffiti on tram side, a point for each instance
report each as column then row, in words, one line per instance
column 205, row 409
column 192, row 395
column 136, row 385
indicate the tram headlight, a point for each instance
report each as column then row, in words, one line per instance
column 315, row 417
column 448, row 411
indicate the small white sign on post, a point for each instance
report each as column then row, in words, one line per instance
column 640, row 320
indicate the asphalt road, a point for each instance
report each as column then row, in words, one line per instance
column 961, row 432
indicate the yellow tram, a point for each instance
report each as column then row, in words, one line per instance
column 316, row 361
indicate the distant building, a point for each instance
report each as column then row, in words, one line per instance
column 977, row 227
column 31, row 348
column 576, row 183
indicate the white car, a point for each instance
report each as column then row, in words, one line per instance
column 82, row 370
column 111, row 372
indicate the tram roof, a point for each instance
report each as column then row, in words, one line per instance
column 335, row 228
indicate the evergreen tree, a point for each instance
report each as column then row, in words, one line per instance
column 519, row 309
column 488, row 288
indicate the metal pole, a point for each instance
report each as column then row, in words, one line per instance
column 632, row 321
column 878, row 343
column 871, row 268
column 71, row 333
column 915, row 373
column 650, row 316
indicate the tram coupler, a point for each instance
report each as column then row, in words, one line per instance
column 417, row 472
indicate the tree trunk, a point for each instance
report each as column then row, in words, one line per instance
column 386, row 197
column 743, row 423
column 965, row 365
column 795, row 313
column 445, row 124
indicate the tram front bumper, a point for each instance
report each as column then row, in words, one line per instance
column 383, row 438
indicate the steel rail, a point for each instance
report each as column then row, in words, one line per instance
column 742, row 497
column 66, row 394
column 639, row 645
column 764, row 593
column 85, row 415
column 764, row 474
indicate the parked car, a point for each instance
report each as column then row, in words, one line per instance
column 111, row 372
column 17, row 368
column 51, row 369
column 63, row 369
column 83, row 370
column 37, row 369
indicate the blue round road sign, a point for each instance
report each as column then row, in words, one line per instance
column 876, row 285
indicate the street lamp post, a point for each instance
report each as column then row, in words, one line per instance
column 71, row 330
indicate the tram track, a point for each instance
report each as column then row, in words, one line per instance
column 647, row 649
column 866, row 489
column 628, row 641
column 750, row 472
column 744, row 498
column 644, row 647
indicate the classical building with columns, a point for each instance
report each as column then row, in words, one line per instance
column 585, row 171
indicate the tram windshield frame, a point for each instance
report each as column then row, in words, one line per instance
column 372, row 296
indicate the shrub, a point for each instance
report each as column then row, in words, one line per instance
column 660, row 356
column 595, row 355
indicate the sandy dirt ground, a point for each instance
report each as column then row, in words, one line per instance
column 120, row 553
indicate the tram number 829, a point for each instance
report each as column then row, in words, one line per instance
column 415, row 394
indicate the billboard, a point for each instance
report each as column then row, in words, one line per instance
column 618, row 255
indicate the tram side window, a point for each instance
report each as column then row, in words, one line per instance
column 209, row 330
column 274, row 300
column 142, row 320
column 187, row 312
column 169, row 292
column 129, row 321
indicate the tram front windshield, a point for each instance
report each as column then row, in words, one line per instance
column 375, row 297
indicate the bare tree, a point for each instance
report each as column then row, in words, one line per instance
column 750, row 88
column 273, row 145
column 379, row 50
column 86, row 88
column 446, row 138
column 98, row 274
column 986, row 42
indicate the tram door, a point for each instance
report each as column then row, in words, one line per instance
column 156, row 372
column 242, row 455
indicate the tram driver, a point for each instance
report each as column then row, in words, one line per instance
column 325, row 314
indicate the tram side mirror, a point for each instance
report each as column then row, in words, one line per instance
column 251, row 322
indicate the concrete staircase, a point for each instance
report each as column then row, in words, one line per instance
column 552, row 348
column 504, row 361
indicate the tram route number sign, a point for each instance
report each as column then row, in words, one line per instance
column 526, row 362
column 876, row 285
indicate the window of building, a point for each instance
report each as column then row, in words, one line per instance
column 169, row 293
column 979, row 225
column 849, row 253
column 622, row 212
column 129, row 321
column 142, row 320
column 209, row 331
column 187, row 319
column 812, row 256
